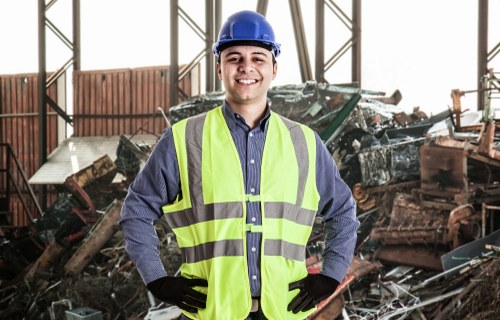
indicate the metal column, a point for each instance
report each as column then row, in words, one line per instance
column 211, row 77
column 42, row 99
column 482, row 49
column 354, row 42
column 320, row 42
column 300, row 40
column 174, row 52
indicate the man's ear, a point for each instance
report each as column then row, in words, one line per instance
column 275, row 70
column 219, row 71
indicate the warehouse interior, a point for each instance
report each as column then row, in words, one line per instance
column 426, row 185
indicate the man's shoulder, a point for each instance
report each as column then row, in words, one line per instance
column 292, row 124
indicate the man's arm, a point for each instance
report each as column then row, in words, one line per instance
column 156, row 185
column 338, row 209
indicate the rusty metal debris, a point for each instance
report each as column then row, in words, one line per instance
column 427, row 190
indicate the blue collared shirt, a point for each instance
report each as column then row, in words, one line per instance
column 158, row 183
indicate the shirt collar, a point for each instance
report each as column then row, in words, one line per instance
column 232, row 117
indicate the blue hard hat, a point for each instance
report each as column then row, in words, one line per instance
column 246, row 27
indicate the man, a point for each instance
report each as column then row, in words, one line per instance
column 240, row 186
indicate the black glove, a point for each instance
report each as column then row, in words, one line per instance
column 313, row 289
column 179, row 291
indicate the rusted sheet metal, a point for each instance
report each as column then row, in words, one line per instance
column 101, row 102
column 331, row 306
column 19, row 128
column 463, row 225
column 415, row 255
column 102, row 169
column 125, row 101
column 449, row 173
column 410, row 223
column 103, row 231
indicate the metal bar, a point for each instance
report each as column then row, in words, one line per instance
column 28, row 114
column 300, row 40
column 320, row 41
column 42, row 96
column 76, row 35
column 23, row 175
column 262, row 7
column 59, row 111
column 482, row 48
column 493, row 52
column 18, row 191
column 217, row 26
column 186, row 69
column 53, row 78
column 58, row 33
column 192, row 24
column 339, row 13
column 337, row 55
column 356, row 45
column 209, row 40
column 50, row 4
column 174, row 52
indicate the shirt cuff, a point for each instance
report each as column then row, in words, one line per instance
column 334, row 269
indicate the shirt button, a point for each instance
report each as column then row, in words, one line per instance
column 252, row 190
column 252, row 161
column 251, row 134
column 253, row 249
column 254, row 277
column 254, row 219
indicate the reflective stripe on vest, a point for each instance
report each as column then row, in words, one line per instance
column 210, row 219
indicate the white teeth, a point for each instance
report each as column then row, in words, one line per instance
column 247, row 81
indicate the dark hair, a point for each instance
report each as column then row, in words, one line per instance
column 246, row 43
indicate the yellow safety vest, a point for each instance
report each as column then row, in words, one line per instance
column 209, row 221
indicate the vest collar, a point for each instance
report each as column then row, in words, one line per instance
column 231, row 117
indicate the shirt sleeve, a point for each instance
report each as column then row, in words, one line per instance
column 156, row 184
column 338, row 210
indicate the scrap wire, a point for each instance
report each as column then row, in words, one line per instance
column 394, row 307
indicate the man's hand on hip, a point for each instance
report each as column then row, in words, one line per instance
column 179, row 291
column 313, row 289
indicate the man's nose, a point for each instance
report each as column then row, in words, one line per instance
column 246, row 65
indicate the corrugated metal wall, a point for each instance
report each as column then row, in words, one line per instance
column 105, row 103
column 19, row 128
column 124, row 101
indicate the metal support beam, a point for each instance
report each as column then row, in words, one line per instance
column 42, row 97
column 209, row 40
column 320, row 42
column 356, row 43
column 174, row 52
column 262, row 7
column 300, row 40
column 482, row 49
column 218, row 23
column 76, row 35
column 353, row 43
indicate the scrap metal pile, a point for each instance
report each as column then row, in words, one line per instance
column 428, row 196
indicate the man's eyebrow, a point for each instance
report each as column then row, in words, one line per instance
column 238, row 53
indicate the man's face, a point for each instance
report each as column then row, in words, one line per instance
column 247, row 73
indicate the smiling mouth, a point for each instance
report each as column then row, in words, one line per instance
column 247, row 81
